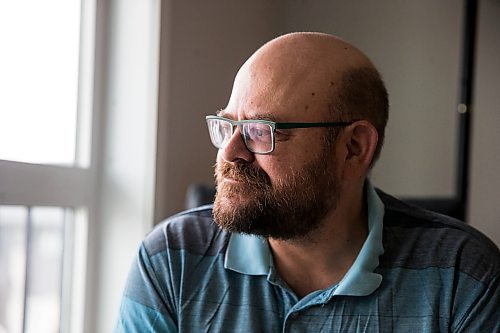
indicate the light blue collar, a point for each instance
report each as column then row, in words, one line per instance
column 251, row 255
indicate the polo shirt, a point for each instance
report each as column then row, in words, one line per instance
column 417, row 271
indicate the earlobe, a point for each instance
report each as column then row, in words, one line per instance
column 361, row 144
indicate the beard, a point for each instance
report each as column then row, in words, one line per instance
column 291, row 208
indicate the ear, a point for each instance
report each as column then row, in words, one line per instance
column 361, row 142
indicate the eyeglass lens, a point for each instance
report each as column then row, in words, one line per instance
column 258, row 137
column 220, row 132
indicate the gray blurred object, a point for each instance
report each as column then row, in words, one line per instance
column 199, row 195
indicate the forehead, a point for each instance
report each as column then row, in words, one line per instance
column 281, row 95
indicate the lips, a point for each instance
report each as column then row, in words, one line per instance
column 237, row 173
column 232, row 180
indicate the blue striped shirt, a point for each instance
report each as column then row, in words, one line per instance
column 416, row 272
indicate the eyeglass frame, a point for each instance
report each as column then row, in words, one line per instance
column 274, row 126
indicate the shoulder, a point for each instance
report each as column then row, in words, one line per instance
column 193, row 231
column 417, row 238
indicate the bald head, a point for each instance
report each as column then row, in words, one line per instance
column 311, row 77
column 311, row 50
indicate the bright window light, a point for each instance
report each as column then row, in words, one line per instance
column 40, row 252
column 39, row 80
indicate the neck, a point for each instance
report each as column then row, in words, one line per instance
column 322, row 258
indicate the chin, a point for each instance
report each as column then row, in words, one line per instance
column 233, row 200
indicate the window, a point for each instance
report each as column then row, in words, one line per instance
column 45, row 169
column 92, row 196
column 40, row 249
column 39, row 81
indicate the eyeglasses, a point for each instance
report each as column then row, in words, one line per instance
column 258, row 135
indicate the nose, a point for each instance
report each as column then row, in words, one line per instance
column 236, row 149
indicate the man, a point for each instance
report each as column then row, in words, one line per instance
column 301, row 240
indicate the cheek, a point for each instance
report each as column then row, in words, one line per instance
column 280, row 170
column 294, row 161
column 271, row 165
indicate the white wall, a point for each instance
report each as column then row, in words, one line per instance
column 416, row 46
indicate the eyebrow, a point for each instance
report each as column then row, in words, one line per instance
column 266, row 116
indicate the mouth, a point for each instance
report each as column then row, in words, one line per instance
column 231, row 180
column 240, row 177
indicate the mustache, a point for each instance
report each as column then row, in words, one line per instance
column 245, row 173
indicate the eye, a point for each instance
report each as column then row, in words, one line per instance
column 256, row 132
column 259, row 132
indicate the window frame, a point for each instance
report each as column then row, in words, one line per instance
column 110, row 187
